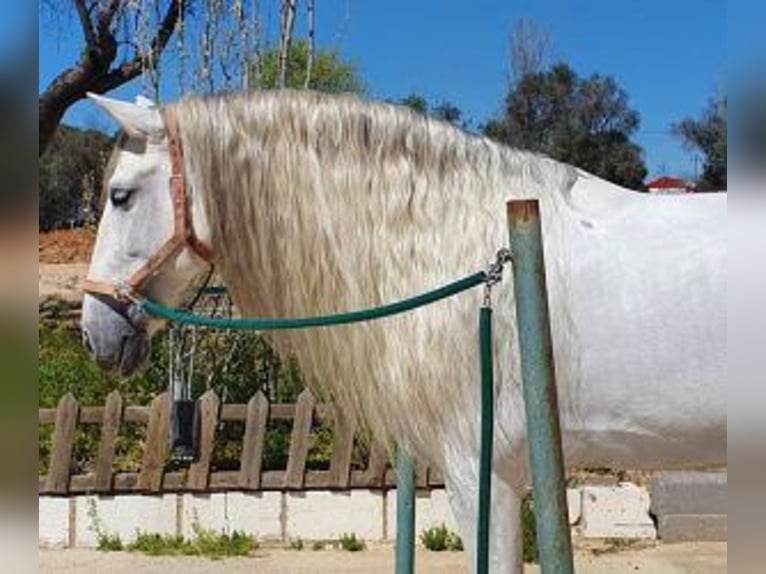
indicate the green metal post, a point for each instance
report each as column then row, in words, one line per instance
column 539, row 382
column 487, row 425
column 405, row 513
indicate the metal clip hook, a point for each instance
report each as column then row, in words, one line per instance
column 494, row 274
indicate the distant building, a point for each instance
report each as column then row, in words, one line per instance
column 667, row 184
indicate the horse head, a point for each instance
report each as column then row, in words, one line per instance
column 145, row 245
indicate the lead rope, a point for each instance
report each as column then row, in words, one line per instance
column 493, row 275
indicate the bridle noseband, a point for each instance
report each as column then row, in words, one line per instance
column 129, row 290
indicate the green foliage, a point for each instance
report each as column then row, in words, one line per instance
column 74, row 160
column 106, row 542
column 208, row 543
column 160, row 544
column 320, row 452
column 64, row 367
column 529, row 530
column 444, row 111
column 110, row 543
column 351, row 543
column 296, row 543
column 581, row 121
column 708, row 134
column 329, row 73
column 440, row 538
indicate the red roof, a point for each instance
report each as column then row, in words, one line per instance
column 666, row 182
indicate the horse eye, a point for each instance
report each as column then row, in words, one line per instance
column 119, row 196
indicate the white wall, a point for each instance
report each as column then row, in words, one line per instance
column 309, row 515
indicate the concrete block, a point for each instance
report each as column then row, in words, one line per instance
column 431, row 509
column 256, row 513
column 616, row 512
column 692, row 528
column 124, row 515
column 204, row 510
column 689, row 493
column 317, row 515
column 52, row 522
column 574, row 505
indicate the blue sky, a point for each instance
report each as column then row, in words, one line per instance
column 669, row 55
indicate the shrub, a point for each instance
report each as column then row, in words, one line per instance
column 206, row 543
column 160, row 545
column 529, row 530
column 440, row 538
column 351, row 543
column 296, row 543
column 110, row 542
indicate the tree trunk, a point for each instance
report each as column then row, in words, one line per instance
column 94, row 72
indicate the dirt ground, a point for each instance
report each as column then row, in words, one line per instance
column 693, row 558
column 65, row 246
column 63, row 263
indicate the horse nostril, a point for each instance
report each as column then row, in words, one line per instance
column 86, row 342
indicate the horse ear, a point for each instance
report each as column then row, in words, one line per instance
column 140, row 121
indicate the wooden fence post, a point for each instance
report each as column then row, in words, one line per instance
column 199, row 471
column 157, row 438
column 299, row 441
column 252, row 444
column 110, row 429
column 57, row 481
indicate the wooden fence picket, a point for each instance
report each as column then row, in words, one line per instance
column 110, row 430
column 57, row 481
column 199, row 471
column 299, row 441
column 157, row 431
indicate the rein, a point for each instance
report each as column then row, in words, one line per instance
column 183, row 230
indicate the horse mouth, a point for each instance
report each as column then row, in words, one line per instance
column 134, row 355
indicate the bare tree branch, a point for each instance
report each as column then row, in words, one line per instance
column 94, row 71
column 87, row 26
column 527, row 49
column 133, row 68
column 106, row 17
column 286, row 36
column 310, row 58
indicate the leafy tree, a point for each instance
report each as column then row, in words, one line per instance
column 74, row 162
column 416, row 103
column 329, row 73
column 707, row 134
column 581, row 121
column 444, row 111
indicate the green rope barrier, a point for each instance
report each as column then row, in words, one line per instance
column 487, row 425
column 488, row 278
column 189, row 318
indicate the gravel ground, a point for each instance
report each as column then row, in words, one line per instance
column 695, row 558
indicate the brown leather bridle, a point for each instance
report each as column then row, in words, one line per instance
column 183, row 230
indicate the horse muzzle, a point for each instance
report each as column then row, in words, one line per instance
column 115, row 336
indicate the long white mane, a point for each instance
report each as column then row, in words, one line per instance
column 322, row 204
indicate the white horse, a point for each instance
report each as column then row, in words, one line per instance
column 314, row 204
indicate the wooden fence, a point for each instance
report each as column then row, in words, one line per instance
column 153, row 477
